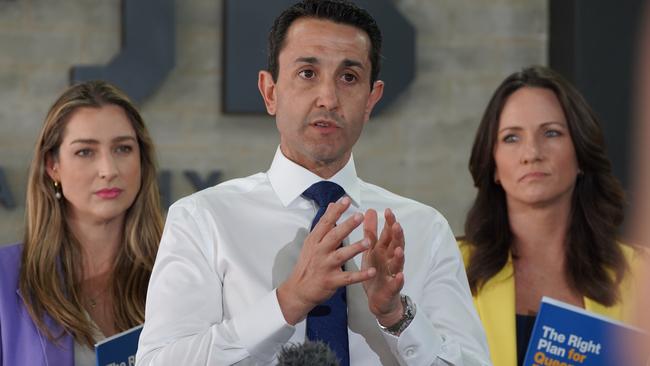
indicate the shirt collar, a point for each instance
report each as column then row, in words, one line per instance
column 289, row 180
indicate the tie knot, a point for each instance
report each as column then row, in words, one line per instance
column 324, row 192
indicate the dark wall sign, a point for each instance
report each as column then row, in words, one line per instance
column 148, row 50
column 148, row 47
column 246, row 26
column 593, row 44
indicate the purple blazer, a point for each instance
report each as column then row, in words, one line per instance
column 21, row 342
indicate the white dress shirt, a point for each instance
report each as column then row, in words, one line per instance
column 225, row 250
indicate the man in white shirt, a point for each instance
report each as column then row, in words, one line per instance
column 239, row 274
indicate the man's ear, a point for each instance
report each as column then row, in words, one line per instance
column 52, row 168
column 266, row 85
column 375, row 95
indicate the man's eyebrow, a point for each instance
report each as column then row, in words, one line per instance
column 313, row 60
column 352, row 63
column 307, row 60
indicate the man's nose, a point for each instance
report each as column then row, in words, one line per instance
column 327, row 95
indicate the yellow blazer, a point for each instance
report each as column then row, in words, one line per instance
column 495, row 304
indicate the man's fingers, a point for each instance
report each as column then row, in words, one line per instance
column 330, row 217
column 397, row 237
column 336, row 235
column 396, row 264
column 370, row 226
column 386, row 232
column 346, row 253
column 346, row 278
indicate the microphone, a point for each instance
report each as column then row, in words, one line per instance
column 308, row 353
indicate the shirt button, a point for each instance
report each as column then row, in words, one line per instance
column 443, row 348
column 410, row 351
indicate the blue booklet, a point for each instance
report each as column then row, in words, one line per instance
column 120, row 349
column 566, row 335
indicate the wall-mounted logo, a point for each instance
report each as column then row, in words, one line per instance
column 246, row 26
column 148, row 50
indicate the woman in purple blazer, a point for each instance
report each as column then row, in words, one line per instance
column 92, row 226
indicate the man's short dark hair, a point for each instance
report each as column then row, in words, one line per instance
column 338, row 11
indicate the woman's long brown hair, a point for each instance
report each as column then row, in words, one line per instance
column 50, row 273
column 592, row 253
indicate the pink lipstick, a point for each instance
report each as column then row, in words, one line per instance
column 108, row 193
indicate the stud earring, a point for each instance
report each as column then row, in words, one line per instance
column 57, row 190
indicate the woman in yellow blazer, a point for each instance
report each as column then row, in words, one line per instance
column 547, row 211
column 495, row 304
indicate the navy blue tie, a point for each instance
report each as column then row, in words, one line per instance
column 328, row 322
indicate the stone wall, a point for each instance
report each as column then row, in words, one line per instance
column 418, row 147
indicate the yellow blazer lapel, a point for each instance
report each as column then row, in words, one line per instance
column 594, row 307
column 495, row 303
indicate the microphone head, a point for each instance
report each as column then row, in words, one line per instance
column 308, row 353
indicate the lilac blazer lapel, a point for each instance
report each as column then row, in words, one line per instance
column 60, row 353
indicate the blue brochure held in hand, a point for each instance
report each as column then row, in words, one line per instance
column 566, row 335
column 120, row 349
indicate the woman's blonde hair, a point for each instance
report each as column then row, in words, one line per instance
column 50, row 273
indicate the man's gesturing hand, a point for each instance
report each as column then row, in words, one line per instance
column 386, row 255
column 318, row 272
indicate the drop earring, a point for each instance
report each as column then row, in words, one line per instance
column 57, row 190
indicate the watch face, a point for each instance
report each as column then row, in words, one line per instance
column 407, row 316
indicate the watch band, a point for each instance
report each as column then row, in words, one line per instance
column 408, row 315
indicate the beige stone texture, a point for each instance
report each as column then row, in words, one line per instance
column 418, row 147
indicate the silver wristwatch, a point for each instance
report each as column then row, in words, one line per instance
column 408, row 315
